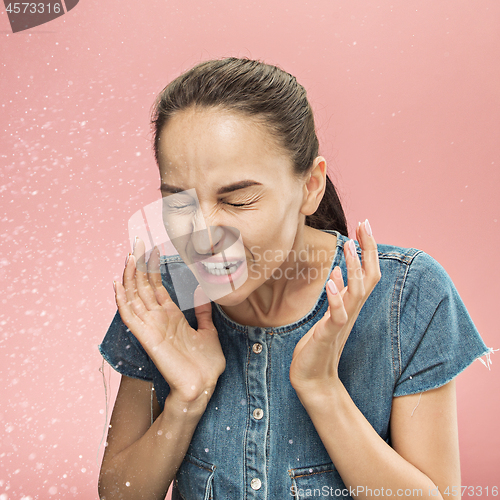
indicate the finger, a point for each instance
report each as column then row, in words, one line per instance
column 129, row 278
column 129, row 318
column 339, row 317
column 335, row 318
column 130, row 288
column 139, row 254
column 203, row 309
column 154, row 277
column 371, row 265
column 355, row 284
column 337, row 278
column 153, row 268
column 144, row 290
column 338, row 314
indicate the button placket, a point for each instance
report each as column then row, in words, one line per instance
column 258, row 424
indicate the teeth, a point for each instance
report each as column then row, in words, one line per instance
column 219, row 269
column 221, row 265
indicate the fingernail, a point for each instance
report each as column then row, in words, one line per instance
column 359, row 224
column 114, row 286
column 368, row 227
column 352, row 248
column 332, row 287
column 127, row 259
column 135, row 243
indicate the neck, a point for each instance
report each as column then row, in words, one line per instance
column 296, row 281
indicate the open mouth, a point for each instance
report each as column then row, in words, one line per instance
column 220, row 272
column 221, row 269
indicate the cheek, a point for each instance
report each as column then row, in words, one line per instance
column 289, row 205
column 281, row 214
column 284, row 219
column 273, row 226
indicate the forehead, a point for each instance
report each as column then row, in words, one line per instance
column 214, row 142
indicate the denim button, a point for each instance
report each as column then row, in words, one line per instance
column 255, row 483
column 258, row 413
column 257, row 348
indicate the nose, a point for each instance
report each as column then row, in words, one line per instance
column 206, row 234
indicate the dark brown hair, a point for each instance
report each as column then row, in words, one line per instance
column 265, row 93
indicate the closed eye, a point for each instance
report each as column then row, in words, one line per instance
column 238, row 204
column 178, row 207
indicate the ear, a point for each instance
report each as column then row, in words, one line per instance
column 314, row 187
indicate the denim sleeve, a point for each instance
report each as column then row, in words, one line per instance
column 124, row 352
column 436, row 338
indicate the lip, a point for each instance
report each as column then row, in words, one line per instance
column 222, row 279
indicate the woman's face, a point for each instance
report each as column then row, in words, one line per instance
column 223, row 171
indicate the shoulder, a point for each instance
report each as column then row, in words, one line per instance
column 417, row 263
column 410, row 258
column 408, row 272
column 420, row 275
column 413, row 262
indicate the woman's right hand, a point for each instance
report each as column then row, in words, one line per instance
column 190, row 361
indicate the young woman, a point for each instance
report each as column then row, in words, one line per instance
column 328, row 370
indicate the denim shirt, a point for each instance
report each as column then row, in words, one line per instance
column 255, row 439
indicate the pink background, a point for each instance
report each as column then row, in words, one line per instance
column 407, row 108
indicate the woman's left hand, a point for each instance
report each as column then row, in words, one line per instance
column 316, row 356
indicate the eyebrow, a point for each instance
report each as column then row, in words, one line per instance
column 167, row 188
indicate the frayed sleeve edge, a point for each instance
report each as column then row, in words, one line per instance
column 121, row 369
column 418, row 389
